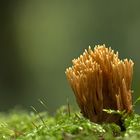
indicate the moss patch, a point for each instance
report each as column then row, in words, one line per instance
column 22, row 125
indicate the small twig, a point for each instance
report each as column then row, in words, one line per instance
column 68, row 105
column 35, row 125
column 39, row 115
column 42, row 103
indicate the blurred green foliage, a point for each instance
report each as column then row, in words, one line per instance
column 39, row 38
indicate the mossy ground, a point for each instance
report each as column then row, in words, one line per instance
column 64, row 125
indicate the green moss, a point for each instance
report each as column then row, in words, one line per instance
column 21, row 125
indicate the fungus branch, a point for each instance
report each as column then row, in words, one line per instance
column 100, row 80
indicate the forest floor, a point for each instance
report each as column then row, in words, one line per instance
column 64, row 125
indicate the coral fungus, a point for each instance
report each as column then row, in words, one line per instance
column 100, row 80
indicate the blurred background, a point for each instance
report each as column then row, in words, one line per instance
column 39, row 38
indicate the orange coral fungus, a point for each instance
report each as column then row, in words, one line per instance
column 100, row 80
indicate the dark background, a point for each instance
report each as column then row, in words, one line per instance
column 39, row 38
